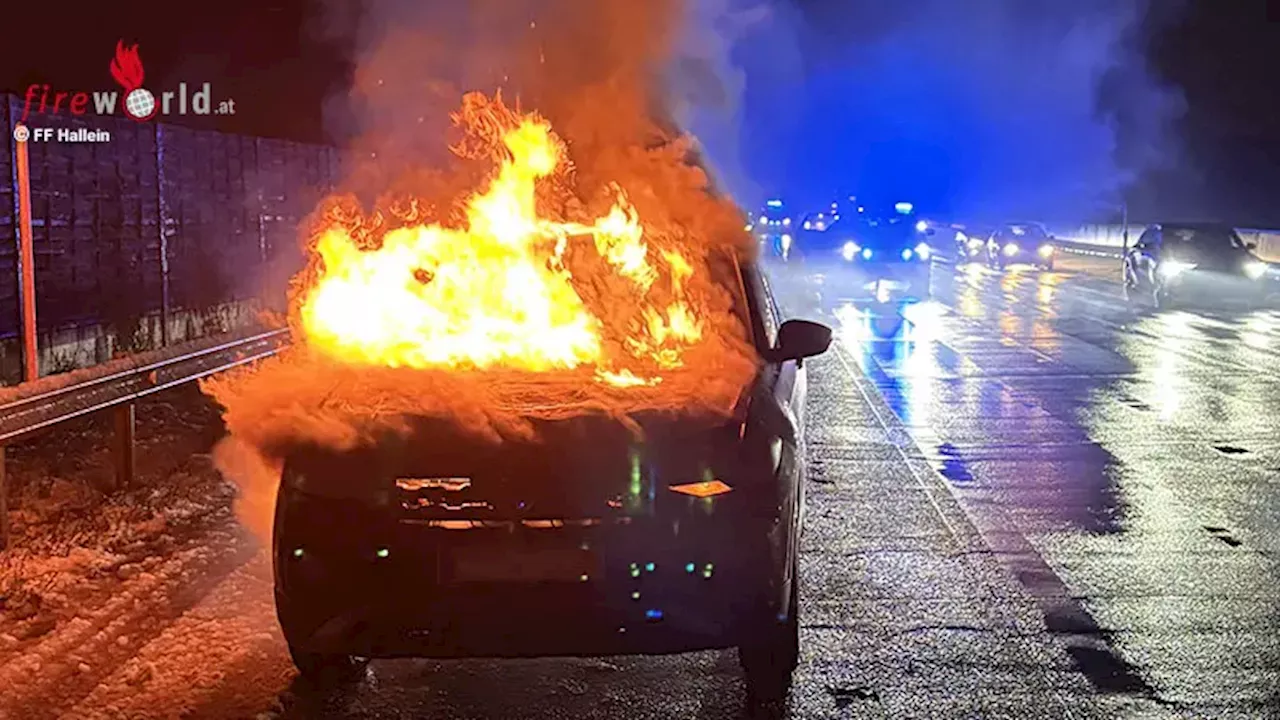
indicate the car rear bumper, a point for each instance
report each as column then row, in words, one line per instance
column 378, row 587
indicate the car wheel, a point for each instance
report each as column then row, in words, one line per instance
column 769, row 660
column 320, row 669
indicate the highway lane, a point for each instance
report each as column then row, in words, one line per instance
column 1123, row 464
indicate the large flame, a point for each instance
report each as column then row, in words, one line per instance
column 499, row 291
column 558, row 289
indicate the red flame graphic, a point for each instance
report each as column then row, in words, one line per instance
column 126, row 67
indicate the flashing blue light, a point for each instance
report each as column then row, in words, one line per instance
column 866, row 253
column 653, row 614
column 689, row 568
column 906, row 254
column 904, row 208
column 649, row 567
column 774, row 203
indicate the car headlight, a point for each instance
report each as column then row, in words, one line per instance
column 1046, row 250
column 906, row 254
column 921, row 226
column 866, row 253
column 850, row 250
column 1172, row 268
column 1011, row 249
column 1255, row 269
column 786, row 242
column 922, row 251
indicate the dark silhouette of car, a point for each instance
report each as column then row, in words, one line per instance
column 1196, row 263
column 587, row 541
column 1020, row 242
column 883, row 257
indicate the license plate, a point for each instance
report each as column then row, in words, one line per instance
column 499, row 564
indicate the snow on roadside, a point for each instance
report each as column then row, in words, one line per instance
column 223, row 658
column 92, row 577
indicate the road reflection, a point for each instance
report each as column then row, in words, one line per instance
column 973, row 407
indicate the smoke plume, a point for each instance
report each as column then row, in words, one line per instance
column 598, row 71
column 990, row 107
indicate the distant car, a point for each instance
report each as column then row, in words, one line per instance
column 1021, row 242
column 773, row 227
column 1197, row 263
column 583, row 542
column 877, row 257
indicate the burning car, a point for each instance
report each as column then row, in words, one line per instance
column 643, row 489
column 586, row 541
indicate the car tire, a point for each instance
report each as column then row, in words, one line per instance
column 317, row 669
column 770, row 658
column 323, row 670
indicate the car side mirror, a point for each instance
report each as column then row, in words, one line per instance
column 799, row 339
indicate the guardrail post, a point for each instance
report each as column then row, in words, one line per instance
column 125, row 448
column 4, row 504
column 26, row 258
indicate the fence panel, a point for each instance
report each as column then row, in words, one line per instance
column 8, row 224
column 228, row 206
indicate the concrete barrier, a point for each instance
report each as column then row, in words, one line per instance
column 1109, row 239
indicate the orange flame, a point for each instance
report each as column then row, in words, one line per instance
column 126, row 66
column 505, row 289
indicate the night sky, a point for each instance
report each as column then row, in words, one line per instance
column 1218, row 57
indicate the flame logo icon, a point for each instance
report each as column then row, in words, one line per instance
column 126, row 68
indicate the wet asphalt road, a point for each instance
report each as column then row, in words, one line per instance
column 1123, row 464
column 1028, row 500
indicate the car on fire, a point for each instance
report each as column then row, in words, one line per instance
column 1197, row 263
column 1020, row 242
column 587, row 541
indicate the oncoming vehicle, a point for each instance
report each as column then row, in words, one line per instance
column 773, row 227
column 1022, row 242
column 871, row 257
column 587, row 541
column 1197, row 263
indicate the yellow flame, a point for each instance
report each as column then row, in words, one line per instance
column 497, row 293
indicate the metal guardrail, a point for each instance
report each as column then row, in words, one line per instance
column 119, row 390
column 1076, row 248
column 26, row 415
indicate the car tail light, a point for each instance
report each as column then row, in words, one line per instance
column 708, row 488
